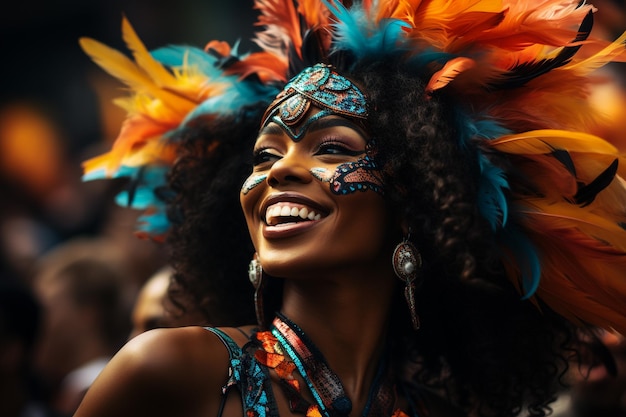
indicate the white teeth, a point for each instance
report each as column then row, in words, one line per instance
column 278, row 210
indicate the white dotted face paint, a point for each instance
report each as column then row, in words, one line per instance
column 252, row 182
column 321, row 174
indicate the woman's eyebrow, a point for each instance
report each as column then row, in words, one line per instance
column 271, row 129
column 325, row 122
column 328, row 122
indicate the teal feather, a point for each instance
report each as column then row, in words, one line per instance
column 352, row 33
column 240, row 95
column 492, row 202
column 525, row 256
column 176, row 56
column 142, row 194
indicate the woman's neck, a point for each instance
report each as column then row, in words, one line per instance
column 347, row 320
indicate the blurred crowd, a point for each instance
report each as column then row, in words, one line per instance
column 72, row 273
column 75, row 283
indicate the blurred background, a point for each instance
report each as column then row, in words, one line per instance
column 71, row 270
column 56, row 106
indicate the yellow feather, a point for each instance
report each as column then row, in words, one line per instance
column 546, row 140
column 115, row 63
column 121, row 67
column 615, row 51
column 155, row 70
column 562, row 215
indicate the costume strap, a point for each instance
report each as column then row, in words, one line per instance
column 323, row 383
column 249, row 376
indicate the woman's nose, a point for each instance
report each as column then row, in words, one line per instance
column 291, row 168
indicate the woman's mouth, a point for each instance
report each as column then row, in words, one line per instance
column 289, row 213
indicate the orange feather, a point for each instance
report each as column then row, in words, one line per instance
column 281, row 26
column 450, row 70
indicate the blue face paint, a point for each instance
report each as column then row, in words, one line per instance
column 360, row 175
column 252, row 182
column 350, row 177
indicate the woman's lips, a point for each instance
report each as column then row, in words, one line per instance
column 288, row 229
column 288, row 214
column 282, row 213
column 287, row 207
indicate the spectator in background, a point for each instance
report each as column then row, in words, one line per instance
column 598, row 389
column 46, row 200
column 153, row 308
column 20, row 317
column 86, row 294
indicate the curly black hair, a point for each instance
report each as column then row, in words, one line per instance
column 480, row 344
column 486, row 348
column 209, row 239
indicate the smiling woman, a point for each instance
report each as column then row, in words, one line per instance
column 432, row 230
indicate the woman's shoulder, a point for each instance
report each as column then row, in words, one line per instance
column 176, row 371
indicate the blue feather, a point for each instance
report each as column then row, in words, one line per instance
column 525, row 256
column 144, row 181
column 353, row 33
column 425, row 58
column 492, row 202
column 98, row 174
column 489, row 129
column 176, row 56
column 154, row 224
column 235, row 98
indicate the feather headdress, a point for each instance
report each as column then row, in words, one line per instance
column 520, row 73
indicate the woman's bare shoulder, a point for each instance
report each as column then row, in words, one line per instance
column 177, row 371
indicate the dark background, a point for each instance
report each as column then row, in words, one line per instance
column 56, row 110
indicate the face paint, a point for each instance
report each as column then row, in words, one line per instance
column 322, row 174
column 319, row 86
column 361, row 175
column 252, row 182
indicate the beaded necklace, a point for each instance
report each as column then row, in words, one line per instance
column 285, row 348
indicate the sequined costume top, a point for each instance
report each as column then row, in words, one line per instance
column 252, row 379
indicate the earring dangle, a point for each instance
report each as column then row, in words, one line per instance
column 407, row 261
column 255, row 274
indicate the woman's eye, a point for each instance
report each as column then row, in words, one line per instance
column 264, row 155
column 333, row 148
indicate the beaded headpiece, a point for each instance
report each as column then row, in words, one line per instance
column 319, row 86
column 517, row 72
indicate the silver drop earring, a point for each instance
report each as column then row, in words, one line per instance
column 407, row 262
column 255, row 274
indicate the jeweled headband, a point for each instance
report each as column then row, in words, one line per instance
column 318, row 85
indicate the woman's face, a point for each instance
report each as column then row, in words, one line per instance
column 315, row 203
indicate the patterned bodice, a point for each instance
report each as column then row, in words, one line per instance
column 252, row 379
